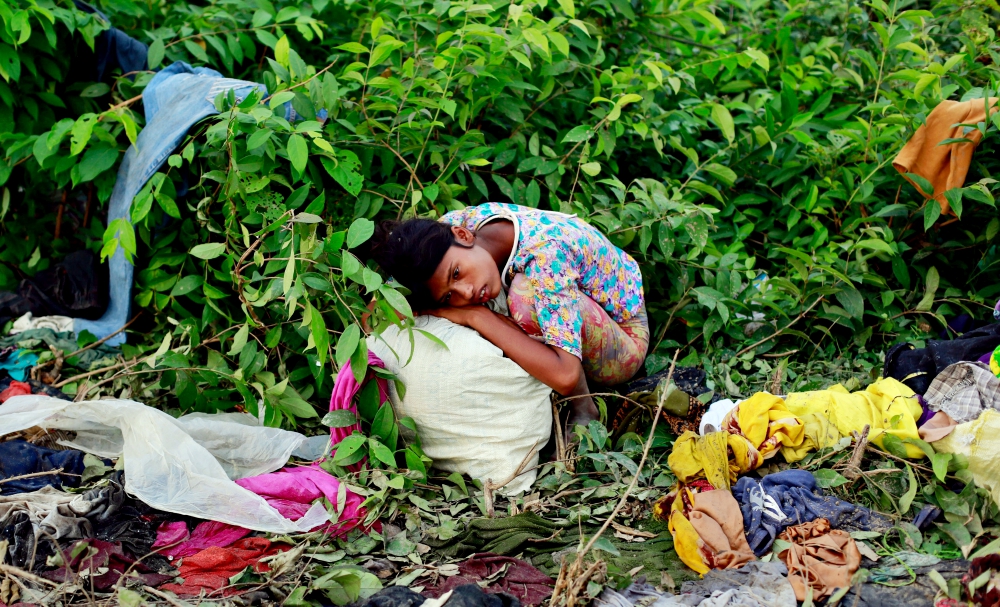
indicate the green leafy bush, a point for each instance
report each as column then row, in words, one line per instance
column 717, row 142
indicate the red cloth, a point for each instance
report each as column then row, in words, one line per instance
column 16, row 388
column 521, row 579
column 206, row 535
column 210, row 570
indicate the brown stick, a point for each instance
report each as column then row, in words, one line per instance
column 783, row 329
column 33, row 475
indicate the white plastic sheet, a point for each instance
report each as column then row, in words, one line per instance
column 185, row 466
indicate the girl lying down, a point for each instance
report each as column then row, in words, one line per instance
column 576, row 304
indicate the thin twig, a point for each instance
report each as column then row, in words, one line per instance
column 166, row 597
column 783, row 329
column 33, row 475
column 31, row 577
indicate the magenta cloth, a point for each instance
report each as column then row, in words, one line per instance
column 291, row 491
column 344, row 389
column 206, row 535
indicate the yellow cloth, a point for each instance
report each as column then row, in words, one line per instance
column 707, row 457
column 751, row 433
column 978, row 440
column 708, row 530
column 765, row 421
column 887, row 406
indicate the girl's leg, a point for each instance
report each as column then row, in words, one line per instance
column 612, row 352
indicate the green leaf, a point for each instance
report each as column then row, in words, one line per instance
column 396, row 300
column 932, row 281
column 852, row 301
column 932, row 210
column 95, row 162
column 722, row 173
column 240, row 340
column 352, row 47
column 922, row 184
column 827, row 478
column 348, row 447
column 154, row 56
column 347, row 343
column 298, row 152
column 341, row 418
column 578, row 133
column 911, row 492
column 940, row 461
column 360, row 231
column 724, row 121
column 209, row 250
column 605, row 544
column 186, row 285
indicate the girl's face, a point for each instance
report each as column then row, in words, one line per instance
column 465, row 276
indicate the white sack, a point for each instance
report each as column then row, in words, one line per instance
column 476, row 412
column 185, row 465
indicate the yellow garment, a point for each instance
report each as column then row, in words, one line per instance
column 684, row 534
column 766, row 423
column 707, row 528
column 707, row 457
column 887, row 406
column 751, row 433
column 978, row 440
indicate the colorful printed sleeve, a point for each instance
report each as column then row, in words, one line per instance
column 553, row 278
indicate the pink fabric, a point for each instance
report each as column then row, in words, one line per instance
column 345, row 387
column 206, row 535
column 291, row 491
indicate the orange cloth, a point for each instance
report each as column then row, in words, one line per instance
column 708, row 530
column 944, row 166
column 820, row 558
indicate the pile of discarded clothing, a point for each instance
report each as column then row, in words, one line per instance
column 178, row 504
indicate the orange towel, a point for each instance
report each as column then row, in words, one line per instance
column 944, row 166
column 820, row 558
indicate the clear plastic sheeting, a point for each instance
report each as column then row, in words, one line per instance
column 185, row 466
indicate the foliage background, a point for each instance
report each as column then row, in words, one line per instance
column 718, row 142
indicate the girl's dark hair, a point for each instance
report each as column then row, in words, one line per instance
column 410, row 251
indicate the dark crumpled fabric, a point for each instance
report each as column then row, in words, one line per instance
column 469, row 595
column 691, row 381
column 114, row 48
column 77, row 287
column 66, row 342
column 756, row 584
column 120, row 518
column 18, row 457
column 527, row 532
column 792, row 497
column 505, row 574
column 104, row 563
column 917, row 367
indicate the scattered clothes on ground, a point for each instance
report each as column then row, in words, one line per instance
column 345, row 388
column 751, row 432
column 448, row 408
column 979, row 441
column 174, row 100
column 66, row 342
column 792, row 497
column 500, row 574
column 14, row 388
column 51, row 513
column 527, row 532
column 17, row 363
column 963, row 390
column 76, row 286
column 18, row 458
column 177, row 541
column 102, row 564
column 920, row 593
column 918, row 367
column 469, row 595
column 944, row 166
column 34, row 387
column 59, row 324
column 182, row 465
column 117, row 517
column 755, row 584
column 211, row 569
column 886, row 406
column 711, row 421
column 819, row 558
column 708, row 530
column 292, row 491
